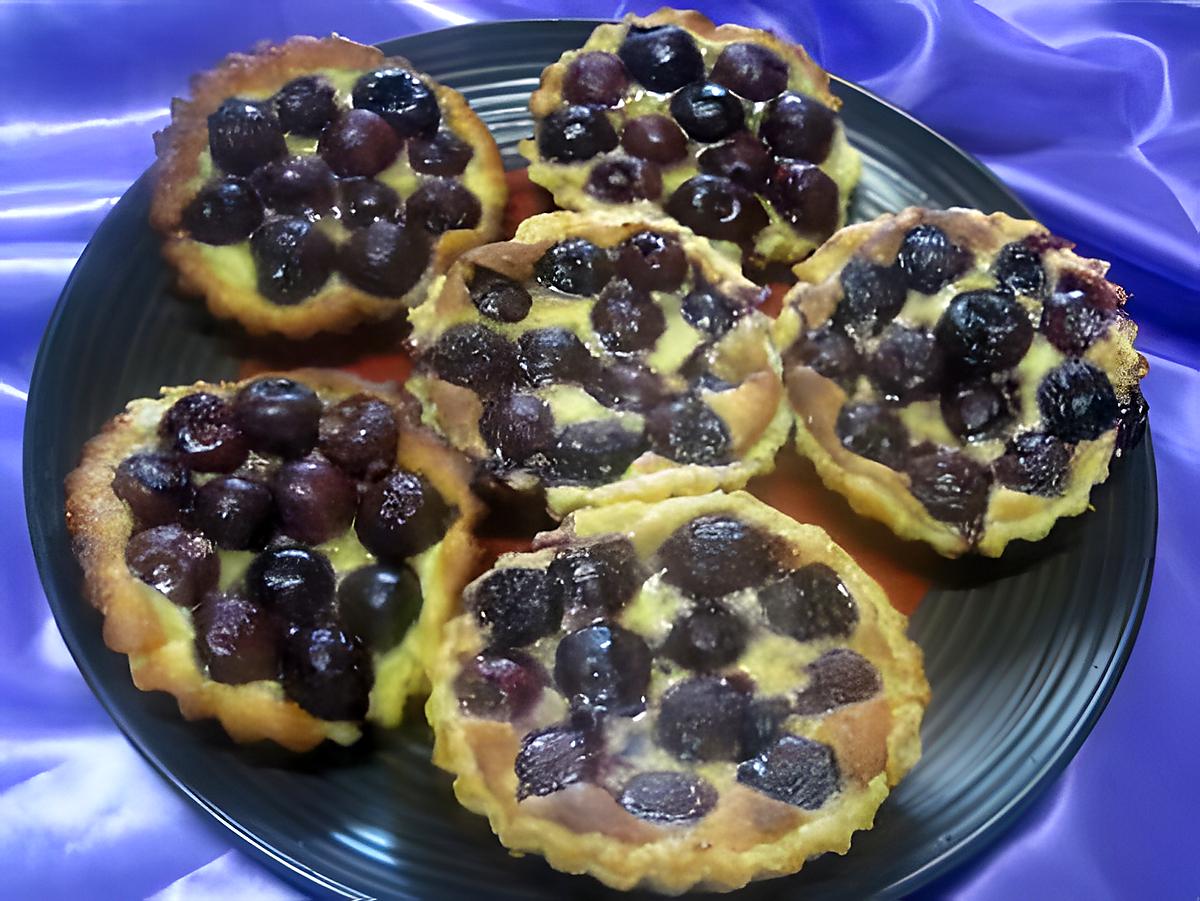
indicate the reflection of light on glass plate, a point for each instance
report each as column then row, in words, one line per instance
column 374, row 843
column 15, row 131
column 13, row 391
column 442, row 15
column 53, row 210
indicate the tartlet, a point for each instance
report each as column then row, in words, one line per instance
column 730, row 130
column 278, row 553
column 314, row 184
column 601, row 358
column 965, row 379
column 691, row 693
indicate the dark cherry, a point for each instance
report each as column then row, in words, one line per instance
column 701, row 718
column 157, row 487
column 809, row 603
column 203, row 431
column 907, row 365
column 707, row 112
column 278, row 415
column 574, row 266
column 1018, row 268
column 442, row 154
column 984, row 331
column 517, row 606
column 837, row 678
column 668, row 797
column 575, row 133
column 975, row 410
column 385, row 259
column 652, row 261
column 654, row 138
column 598, row 577
column 1077, row 402
column 828, row 352
column 762, row 724
column 401, row 98
column 315, row 499
column 593, row 453
column 742, row 159
column 296, row 186
column 795, row 770
column 806, row 197
column 236, row 639
column 234, row 512
column 305, row 105
column 378, row 603
column 710, row 311
column 930, row 260
column 798, row 127
column 709, row 637
column 663, row 58
column 603, row 665
column 226, row 211
column 951, row 486
column 595, row 79
column 626, row 320
column 626, row 386
column 293, row 259
column 1131, row 427
column 1034, row 463
column 872, row 295
column 517, row 426
column 294, row 582
column 1072, row 321
column 716, row 554
column 751, row 70
column 475, row 357
column 624, row 181
column 400, row 516
column 360, row 434
column 358, row 142
column 549, row 355
column 874, row 432
column 327, row 671
column 498, row 686
column 717, row 208
column 498, row 297
column 441, row 205
column 365, row 200
column 553, row 758
column 687, row 430
column 179, row 562
column 243, row 135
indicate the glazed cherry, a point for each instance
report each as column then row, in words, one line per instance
column 652, row 261
column 809, row 603
column 627, row 320
column 700, row 719
column 710, row 311
column 626, row 386
column 795, row 770
column 315, row 499
column 1072, row 321
column 379, row 603
column 401, row 98
column 742, row 159
column 235, row 513
column 202, row 430
column 360, row 434
column 294, row 582
column 872, row 295
column 498, row 297
column 296, row 186
column 595, row 79
column 517, row 606
column 715, row 555
column 687, row 430
column 553, row 758
column 225, row 211
column 235, row 639
column 594, row 452
column 293, row 259
column 709, row 637
column 907, row 365
column 707, row 112
column 717, row 208
column 873, row 431
column 517, row 426
column 180, row 563
column 975, row 410
column 762, row 724
column 668, row 797
column 365, row 200
column 598, row 577
column 806, row 197
column 654, row 138
column 798, row 127
column 474, row 357
column 358, row 142
column 828, row 352
column 574, row 266
column 242, row 136
column 837, row 678
column 441, row 205
column 603, row 665
column 1018, row 268
column 499, row 686
column 385, row 259
column 1077, row 402
column 929, row 259
column 1034, row 463
column 751, row 70
column 575, row 133
column 663, row 58
column 1131, row 426
column 984, row 331
column 442, row 154
column 400, row 516
column 327, row 671
column 157, row 487
column 951, row 486
column 278, row 415
column 549, row 355
column 624, row 181
column 305, row 105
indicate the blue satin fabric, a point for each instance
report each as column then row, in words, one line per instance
column 1090, row 111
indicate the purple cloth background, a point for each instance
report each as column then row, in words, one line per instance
column 1090, row 111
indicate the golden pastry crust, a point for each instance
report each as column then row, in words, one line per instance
column 182, row 148
column 754, row 412
column 158, row 637
column 779, row 241
column 748, row 834
column 879, row 492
